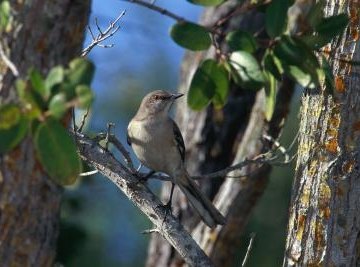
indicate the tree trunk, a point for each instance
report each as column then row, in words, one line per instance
column 215, row 139
column 42, row 34
column 324, row 222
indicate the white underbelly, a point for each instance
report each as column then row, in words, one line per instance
column 157, row 150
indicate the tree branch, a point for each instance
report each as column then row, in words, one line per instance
column 102, row 35
column 156, row 8
column 167, row 225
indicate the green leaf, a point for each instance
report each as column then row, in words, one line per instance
column 272, row 64
column 202, row 89
column 276, row 17
column 9, row 115
column 270, row 96
column 81, row 71
column 55, row 77
column 326, row 29
column 294, row 52
column 11, row 137
column 332, row 26
column 38, row 83
column 30, row 105
column 241, row 40
column 84, row 95
column 206, row 2
column 4, row 14
column 221, row 78
column 299, row 76
column 218, row 74
column 191, row 36
column 57, row 105
column 288, row 50
column 248, row 70
column 57, row 153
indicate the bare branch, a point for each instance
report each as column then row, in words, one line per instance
column 111, row 138
column 89, row 173
column 83, row 119
column 168, row 226
column 102, row 35
column 252, row 237
column 150, row 231
column 156, row 8
column 8, row 62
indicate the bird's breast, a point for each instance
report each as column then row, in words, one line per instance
column 153, row 144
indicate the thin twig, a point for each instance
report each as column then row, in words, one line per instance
column 8, row 62
column 252, row 237
column 260, row 159
column 102, row 35
column 156, row 8
column 111, row 138
column 89, row 173
column 108, row 133
column 241, row 9
column 150, row 231
column 83, row 119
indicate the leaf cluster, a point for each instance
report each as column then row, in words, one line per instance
column 42, row 105
column 253, row 63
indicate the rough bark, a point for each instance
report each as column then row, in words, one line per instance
column 42, row 34
column 324, row 222
column 216, row 139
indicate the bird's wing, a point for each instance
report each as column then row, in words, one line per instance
column 179, row 141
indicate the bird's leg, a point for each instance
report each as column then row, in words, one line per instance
column 169, row 203
column 167, row 206
column 143, row 178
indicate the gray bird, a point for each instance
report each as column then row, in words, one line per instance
column 158, row 144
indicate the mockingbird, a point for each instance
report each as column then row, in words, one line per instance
column 158, row 144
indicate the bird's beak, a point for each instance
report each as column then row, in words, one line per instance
column 176, row 96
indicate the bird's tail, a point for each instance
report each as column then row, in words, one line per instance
column 208, row 213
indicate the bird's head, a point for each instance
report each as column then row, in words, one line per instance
column 158, row 102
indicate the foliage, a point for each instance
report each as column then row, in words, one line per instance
column 42, row 104
column 254, row 63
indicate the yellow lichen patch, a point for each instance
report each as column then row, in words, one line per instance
column 324, row 196
column 327, row 213
column 313, row 167
column 354, row 33
column 332, row 132
column 354, row 13
column 348, row 166
column 332, row 145
column 334, row 120
column 340, row 84
column 300, row 226
column 305, row 197
column 319, row 235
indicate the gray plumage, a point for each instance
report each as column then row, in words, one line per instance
column 158, row 144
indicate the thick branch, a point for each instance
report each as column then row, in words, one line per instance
column 167, row 225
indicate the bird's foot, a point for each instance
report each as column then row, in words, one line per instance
column 144, row 177
column 168, row 209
